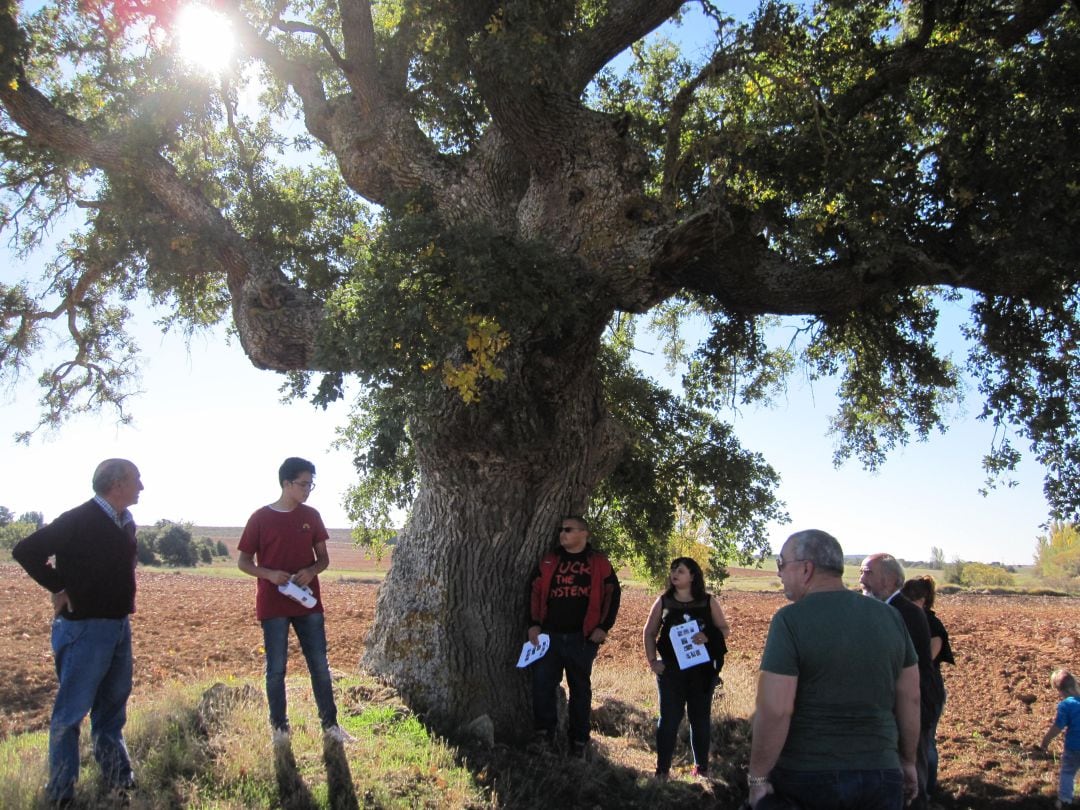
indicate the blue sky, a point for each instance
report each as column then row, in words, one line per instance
column 210, row 432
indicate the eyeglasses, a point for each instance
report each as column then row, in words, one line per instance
column 570, row 529
column 781, row 562
column 308, row 485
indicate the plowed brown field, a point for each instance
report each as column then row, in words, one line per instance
column 197, row 627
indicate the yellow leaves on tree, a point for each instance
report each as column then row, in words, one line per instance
column 486, row 340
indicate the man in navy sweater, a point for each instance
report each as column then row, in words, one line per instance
column 92, row 582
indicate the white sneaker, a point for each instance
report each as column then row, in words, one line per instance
column 338, row 734
column 281, row 736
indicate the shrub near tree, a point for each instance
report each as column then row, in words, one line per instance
column 13, row 530
column 170, row 543
column 983, row 575
column 12, row 533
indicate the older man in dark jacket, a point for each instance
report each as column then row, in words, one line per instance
column 882, row 577
column 92, row 582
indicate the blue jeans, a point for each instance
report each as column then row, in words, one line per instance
column 1070, row 763
column 692, row 690
column 93, row 666
column 573, row 653
column 840, row 790
column 311, row 632
column 932, row 753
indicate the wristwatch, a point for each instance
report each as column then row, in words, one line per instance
column 756, row 781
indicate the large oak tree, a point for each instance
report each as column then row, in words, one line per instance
column 460, row 204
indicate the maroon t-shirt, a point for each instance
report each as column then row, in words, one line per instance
column 285, row 541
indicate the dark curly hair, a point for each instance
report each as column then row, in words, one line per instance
column 697, row 583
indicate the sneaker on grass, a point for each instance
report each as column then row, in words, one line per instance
column 338, row 734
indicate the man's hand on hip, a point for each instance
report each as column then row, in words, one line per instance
column 61, row 602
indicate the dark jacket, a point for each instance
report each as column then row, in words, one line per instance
column 604, row 591
column 930, row 692
column 95, row 562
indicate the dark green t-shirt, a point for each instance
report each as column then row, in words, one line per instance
column 847, row 651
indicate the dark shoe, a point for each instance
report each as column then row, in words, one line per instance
column 541, row 743
column 579, row 750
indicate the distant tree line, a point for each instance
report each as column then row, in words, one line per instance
column 172, row 544
column 165, row 543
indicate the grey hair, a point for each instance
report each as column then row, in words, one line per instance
column 892, row 567
column 109, row 473
column 820, row 548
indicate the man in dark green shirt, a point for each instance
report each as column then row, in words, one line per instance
column 837, row 716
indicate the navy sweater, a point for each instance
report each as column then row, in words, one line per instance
column 94, row 562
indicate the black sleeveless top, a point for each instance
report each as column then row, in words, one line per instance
column 674, row 612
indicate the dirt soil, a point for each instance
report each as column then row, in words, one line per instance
column 197, row 627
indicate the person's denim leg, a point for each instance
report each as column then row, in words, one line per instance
column 547, row 672
column 1070, row 763
column 700, row 683
column 922, row 764
column 311, row 631
column 109, row 714
column 276, row 644
column 84, row 654
column 932, row 753
column 841, row 790
column 671, row 694
column 578, row 661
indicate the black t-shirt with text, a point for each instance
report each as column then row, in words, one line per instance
column 568, row 598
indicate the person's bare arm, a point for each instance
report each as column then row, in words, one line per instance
column 772, row 719
column 246, row 563
column 936, row 643
column 308, row 573
column 906, row 711
column 1048, row 738
column 718, row 617
column 648, row 638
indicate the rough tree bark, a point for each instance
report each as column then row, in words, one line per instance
column 452, row 613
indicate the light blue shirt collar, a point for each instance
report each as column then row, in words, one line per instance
column 122, row 519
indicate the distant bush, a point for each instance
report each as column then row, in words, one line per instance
column 170, row 543
column 954, row 571
column 144, row 549
column 981, row 575
column 12, row 533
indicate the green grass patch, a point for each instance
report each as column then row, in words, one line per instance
column 209, row 746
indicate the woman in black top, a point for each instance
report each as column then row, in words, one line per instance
column 921, row 591
column 686, row 679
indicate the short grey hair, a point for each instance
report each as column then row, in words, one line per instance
column 820, row 548
column 891, row 567
column 109, row 473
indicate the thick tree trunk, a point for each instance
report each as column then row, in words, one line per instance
column 452, row 614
